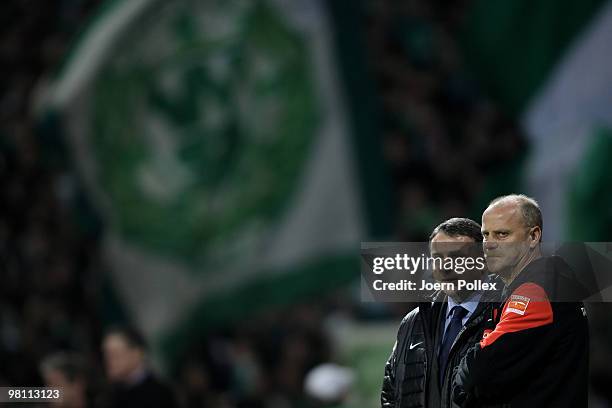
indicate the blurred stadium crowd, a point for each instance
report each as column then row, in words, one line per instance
column 48, row 261
column 438, row 131
column 442, row 136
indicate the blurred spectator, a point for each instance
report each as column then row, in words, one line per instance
column 67, row 372
column 134, row 384
column 329, row 385
column 196, row 388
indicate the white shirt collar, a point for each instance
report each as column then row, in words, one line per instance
column 470, row 304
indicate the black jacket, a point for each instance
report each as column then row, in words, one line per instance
column 150, row 392
column 411, row 373
column 537, row 354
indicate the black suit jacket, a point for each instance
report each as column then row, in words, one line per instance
column 150, row 393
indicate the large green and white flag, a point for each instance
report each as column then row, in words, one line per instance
column 213, row 139
column 549, row 62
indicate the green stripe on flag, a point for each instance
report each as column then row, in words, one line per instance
column 365, row 114
column 512, row 45
column 589, row 214
column 276, row 290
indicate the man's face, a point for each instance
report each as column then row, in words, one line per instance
column 72, row 391
column 506, row 237
column 445, row 246
column 120, row 360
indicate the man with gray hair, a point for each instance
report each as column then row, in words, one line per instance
column 537, row 351
column 67, row 372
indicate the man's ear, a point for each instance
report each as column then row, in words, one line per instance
column 535, row 235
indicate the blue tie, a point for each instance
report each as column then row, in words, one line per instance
column 455, row 325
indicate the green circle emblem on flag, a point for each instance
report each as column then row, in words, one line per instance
column 201, row 124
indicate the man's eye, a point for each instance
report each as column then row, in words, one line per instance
column 502, row 234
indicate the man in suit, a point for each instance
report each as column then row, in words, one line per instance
column 433, row 338
column 133, row 383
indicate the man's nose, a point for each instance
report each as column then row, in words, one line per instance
column 489, row 245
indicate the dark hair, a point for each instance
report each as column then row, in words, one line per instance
column 459, row 227
column 71, row 365
column 132, row 337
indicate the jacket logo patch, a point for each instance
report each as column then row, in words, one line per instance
column 517, row 304
column 412, row 346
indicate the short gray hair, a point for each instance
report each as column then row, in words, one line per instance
column 530, row 209
column 71, row 365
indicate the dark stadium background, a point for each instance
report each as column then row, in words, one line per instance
column 433, row 133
